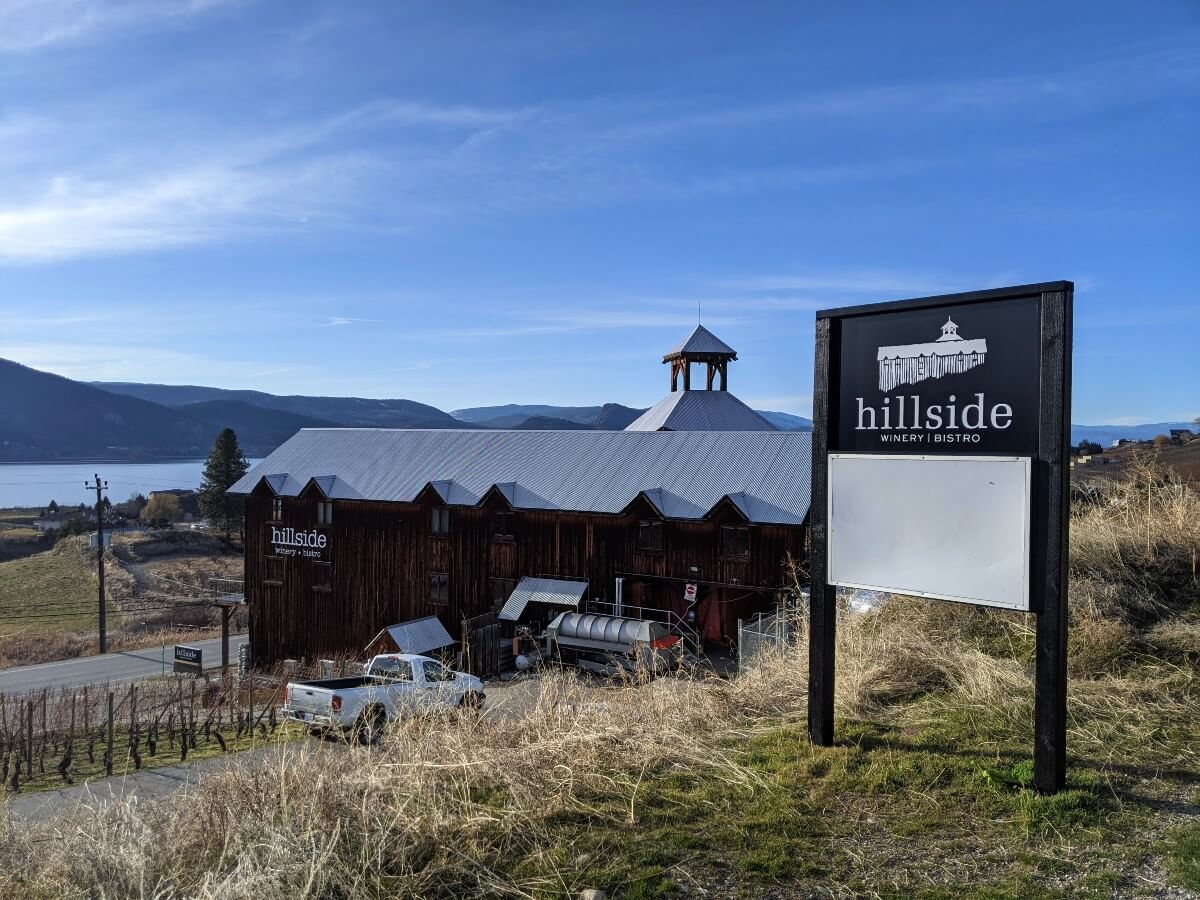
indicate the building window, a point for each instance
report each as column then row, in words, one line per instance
column 441, row 520
column 735, row 541
column 650, row 534
column 325, row 512
column 439, row 588
column 502, row 525
column 502, row 589
column 276, row 509
column 322, row 576
column 274, row 570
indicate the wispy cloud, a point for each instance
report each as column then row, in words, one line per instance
column 76, row 216
column 339, row 321
column 34, row 24
column 115, row 361
column 234, row 185
column 396, row 165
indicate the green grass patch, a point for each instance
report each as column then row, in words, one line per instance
column 46, row 592
column 1183, row 857
column 892, row 810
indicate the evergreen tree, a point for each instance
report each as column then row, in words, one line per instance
column 226, row 464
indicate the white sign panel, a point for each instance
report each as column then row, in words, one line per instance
column 946, row 527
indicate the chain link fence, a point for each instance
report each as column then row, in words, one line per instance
column 766, row 632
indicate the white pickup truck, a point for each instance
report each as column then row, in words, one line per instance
column 392, row 685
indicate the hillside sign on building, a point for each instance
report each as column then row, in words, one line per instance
column 940, row 440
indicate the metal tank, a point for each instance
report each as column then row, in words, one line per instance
column 622, row 643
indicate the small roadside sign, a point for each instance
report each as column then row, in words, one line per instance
column 689, row 593
column 187, row 660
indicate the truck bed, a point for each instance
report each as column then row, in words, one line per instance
column 338, row 684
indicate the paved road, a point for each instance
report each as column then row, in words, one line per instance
column 131, row 665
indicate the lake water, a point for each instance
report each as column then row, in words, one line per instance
column 36, row 484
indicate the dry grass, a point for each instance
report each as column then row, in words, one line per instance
column 56, row 582
column 48, row 600
column 541, row 803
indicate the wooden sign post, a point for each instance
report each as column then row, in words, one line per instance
column 941, row 437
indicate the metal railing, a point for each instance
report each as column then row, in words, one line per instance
column 674, row 622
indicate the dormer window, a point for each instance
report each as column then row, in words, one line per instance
column 735, row 541
column 276, row 509
column 325, row 512
column 650, row 534
column 440, row 523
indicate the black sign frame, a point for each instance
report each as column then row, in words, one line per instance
column 1050, row 509
column 188, row 660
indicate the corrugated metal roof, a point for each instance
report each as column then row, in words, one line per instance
column 550, row 591
column 418, row 636
column 700, row 411
column 702, row 341
column 583, row 471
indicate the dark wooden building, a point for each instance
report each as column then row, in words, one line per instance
column 351, row 530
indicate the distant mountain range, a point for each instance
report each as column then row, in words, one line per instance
column 609, row 417
column 48, row 417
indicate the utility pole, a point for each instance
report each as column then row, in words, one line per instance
column 98, row 487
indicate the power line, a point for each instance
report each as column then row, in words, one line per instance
column 133, row 613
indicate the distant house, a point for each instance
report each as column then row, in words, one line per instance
column 1181, row 435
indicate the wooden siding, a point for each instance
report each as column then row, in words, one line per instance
column 383, row 555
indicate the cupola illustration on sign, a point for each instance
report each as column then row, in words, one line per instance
column 913, row 363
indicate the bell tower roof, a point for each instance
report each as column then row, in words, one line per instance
column 706, row 349
column 710, row 409
column 701, row 346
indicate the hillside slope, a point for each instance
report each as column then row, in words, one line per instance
column 46, row 416
column 512, row 414
column 259, row 430
column 344, row 411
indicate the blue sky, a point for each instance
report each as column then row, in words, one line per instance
column 467, row 203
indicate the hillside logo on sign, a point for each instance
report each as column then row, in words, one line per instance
column 913, row 363
column 907, row 419
column 292, row 542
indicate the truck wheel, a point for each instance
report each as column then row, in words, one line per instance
column 470, row 700
column 369, row 728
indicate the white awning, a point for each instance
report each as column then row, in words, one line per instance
column 548, row 591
